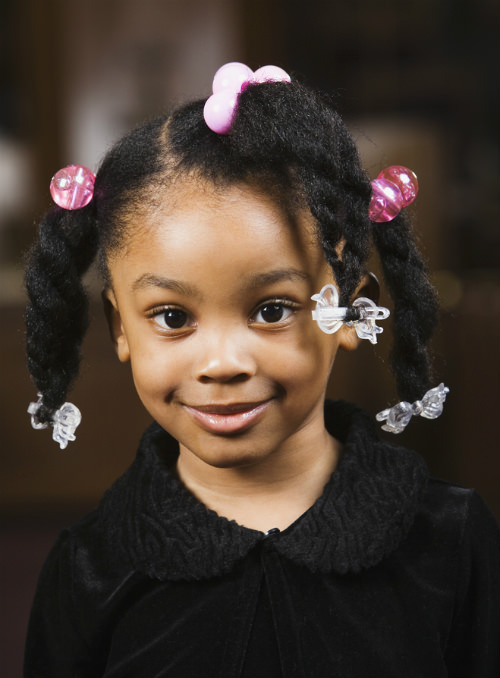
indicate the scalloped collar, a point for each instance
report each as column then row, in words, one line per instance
column 365, row 511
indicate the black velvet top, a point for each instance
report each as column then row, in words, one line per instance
column 387, row 574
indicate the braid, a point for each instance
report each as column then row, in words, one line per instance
column 57, row 312
column 338, row 193
column 68, row 242
column 416, row 306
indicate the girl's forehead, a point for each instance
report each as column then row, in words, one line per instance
column 202, row 225
column 192, row 202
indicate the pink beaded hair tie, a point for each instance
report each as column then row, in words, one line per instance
column 229, row 81
column 394, row 188
column 72, row 187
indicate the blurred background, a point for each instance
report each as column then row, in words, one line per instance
column 417, row 83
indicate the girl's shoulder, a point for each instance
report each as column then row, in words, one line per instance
column 80, row 574
column 81, row 556
column 455, row 532
column 457, row 515
column 455, row 509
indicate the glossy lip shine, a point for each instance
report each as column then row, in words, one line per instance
column 227, row 419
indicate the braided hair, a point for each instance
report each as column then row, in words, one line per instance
column 283, row 135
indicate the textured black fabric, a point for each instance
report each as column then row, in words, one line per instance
column 388, row 574
column 163, row 531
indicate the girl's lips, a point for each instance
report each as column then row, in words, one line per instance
column 227, row 419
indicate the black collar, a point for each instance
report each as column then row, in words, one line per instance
column 365, row 511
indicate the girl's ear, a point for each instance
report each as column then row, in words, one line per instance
column 115, row 325
column 368, row 287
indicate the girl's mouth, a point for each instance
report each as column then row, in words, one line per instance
column 227, row 419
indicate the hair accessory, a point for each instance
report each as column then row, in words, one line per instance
column 366, row 326
column 394, row 188
column 330, row 316
column 398, row 417
column 229, row 81
column 64, row 421
column 72, row 187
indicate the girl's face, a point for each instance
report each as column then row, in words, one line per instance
column 211, row 305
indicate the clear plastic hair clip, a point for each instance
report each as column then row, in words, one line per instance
column 330, row 316
column 64, row 422
column 366, row 327
column 398, row 417
column 327, row 313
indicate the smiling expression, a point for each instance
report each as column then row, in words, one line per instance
column 211, row 305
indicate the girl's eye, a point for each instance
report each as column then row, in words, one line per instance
column 273, row 312
column 171, row 319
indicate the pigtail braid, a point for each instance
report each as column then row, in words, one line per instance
column 415, row 305
column 57, row 311
column 272, row 127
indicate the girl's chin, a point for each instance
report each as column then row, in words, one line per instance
column 245, row 452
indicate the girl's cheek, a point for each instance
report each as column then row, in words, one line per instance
column 306, row 356
column 153, row 367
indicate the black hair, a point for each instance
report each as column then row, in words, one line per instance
column 283, row 135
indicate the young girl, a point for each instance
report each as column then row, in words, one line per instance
column 261, row 531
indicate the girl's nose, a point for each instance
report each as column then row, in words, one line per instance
column 224, row 356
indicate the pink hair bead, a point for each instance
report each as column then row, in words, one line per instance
column 405, row 180
column 219, row 111
column 232, row 76
column 72, row 187
column 271, row 74
column 386, row 202
column 227, row 84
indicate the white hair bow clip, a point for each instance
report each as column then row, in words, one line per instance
column 330, row 316
column 398, row 417
column 64, row 421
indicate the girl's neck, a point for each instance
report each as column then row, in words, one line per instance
column 269, row 495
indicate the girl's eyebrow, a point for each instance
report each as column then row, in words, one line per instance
column 252, row 282
column 150, row 280
column 279, row 275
